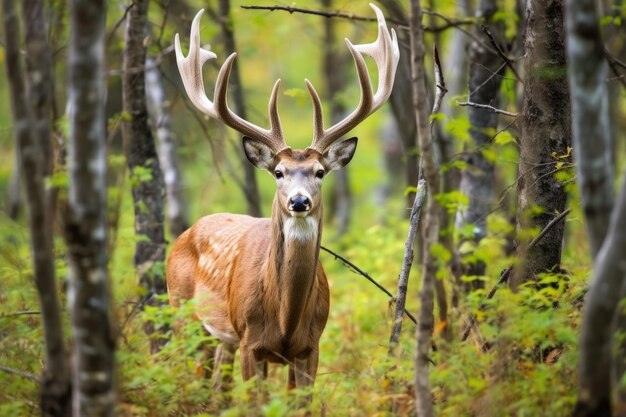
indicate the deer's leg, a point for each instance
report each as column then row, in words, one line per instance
column 248, row 363
column 223, row 367
column 253, row 365
column 302, row 374
column 303, row 370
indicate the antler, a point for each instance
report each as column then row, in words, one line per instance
column 386, row 54
column 190, row 69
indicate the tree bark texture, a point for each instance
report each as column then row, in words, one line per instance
column 142, row 159
column 31, row 124
column 546, row 137
column 401, row 100
column 591, row 126
column 601, row 303
column 607, row 242
column 14, row 194
column 166, row 148
column 421, row 111
column 39, row 73
column 89, row 297
column 250, row 187
column 486, row 71
column 456, row 61
column 403, row 279
column 335, row 77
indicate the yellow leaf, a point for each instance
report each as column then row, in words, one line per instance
column 439, row 327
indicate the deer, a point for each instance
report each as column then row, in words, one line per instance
column 257, row 283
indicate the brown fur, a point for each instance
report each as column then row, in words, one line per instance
column 252, row 283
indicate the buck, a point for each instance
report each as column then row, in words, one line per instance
column 258, row 283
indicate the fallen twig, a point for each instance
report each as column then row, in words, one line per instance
column 23, row 374
column 20, row 313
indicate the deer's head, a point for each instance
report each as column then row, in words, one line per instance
column 299, row 173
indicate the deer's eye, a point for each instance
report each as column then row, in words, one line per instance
column 278, row 174
column 320, row 174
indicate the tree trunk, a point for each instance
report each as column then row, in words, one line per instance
column 607, row 243
column 250, row 187
column 401, row 101
column 421, row 113
column 588, row 73
column 456, row 62
column 89, row 298
column 166, row 148
column 545, row 140
column 478, row 178
column 601, row 305
column 14, row 194
column 143, row 163
column 335, row 77
column 31, row 121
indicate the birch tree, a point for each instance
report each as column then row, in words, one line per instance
column 31, row 123
column 93, row 342
column 421, row 112
column 588, row 72
column 166, row 147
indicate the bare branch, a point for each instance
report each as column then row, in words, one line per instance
column 614, row 63
column 359, row 271
column 26, row 375
column 440, row 85
column 403, row 279
column 343, row 15
column 154, row 64
column 402, row 24
column 486, row 107
column 119, row 23
column 20, row 313
column 501, row 54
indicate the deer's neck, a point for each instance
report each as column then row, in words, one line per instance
column 291, row 269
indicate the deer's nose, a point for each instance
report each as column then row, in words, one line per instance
column 299, row 203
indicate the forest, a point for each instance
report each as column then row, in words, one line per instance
column 472, row 232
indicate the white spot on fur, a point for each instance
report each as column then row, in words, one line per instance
column 205, row 262
column 303, row 229
column 227, row 337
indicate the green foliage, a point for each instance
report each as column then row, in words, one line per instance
column 528, row 369
column 140, row 174
column 452, row 201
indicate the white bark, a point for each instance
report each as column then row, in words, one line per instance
column 591, row 127
column 88, row 296
column 166, row 148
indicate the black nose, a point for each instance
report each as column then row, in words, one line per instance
column 299, row 203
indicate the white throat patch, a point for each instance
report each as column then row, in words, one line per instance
column 302, row 229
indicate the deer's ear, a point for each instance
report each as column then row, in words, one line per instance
column 258, row 153
column 339, row 154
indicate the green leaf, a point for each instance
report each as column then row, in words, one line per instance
column 504, row 137
column 440, row 252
